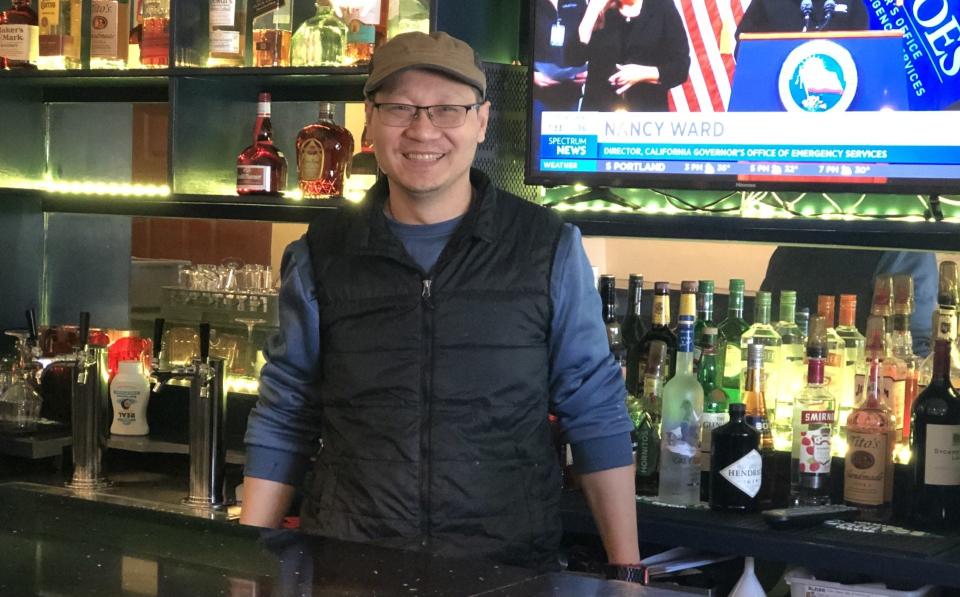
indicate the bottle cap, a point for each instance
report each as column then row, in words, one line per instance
column 949, row 290
column 263, row 96
column 788, row 296
column 882, row 296
column 661, row 287
column 706, row 286
column 737, row 409
column 688, row 287
column 826, row 307
column 636, row 279
column 737, row 285
column 755, row 356
column 848, row 309
column 326, row 110
column 764, row 298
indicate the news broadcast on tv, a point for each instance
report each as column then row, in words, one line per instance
column 849, row 95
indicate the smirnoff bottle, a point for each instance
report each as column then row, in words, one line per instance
column 19, row 37
column 736, row 467
column 682, row 412
column 935, row 439
column 731, row 330
column 813, row 418
column 646, row 428
column 714, row 402
column 871, row 437
column 792, row 372
column 261, row 167
column 324, row 149
column 633, row 332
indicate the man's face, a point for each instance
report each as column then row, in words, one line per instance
column 421, row 159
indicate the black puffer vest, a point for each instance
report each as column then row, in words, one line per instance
column 435, row 384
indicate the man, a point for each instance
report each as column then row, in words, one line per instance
column 425, row 335
column 792, row 16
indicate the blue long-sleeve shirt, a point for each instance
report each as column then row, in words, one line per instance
column 586, row 387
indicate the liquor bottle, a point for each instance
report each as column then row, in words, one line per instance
column 321, row 40
column 682, row 411
column 731, row 330
column 756, row 416
column 363, row 170
column 763, row 333
column 792, row 372
column 901, row 365
column 272, row 30
column 362, row 20
column 814, row 413
column 633, row 332
column 135, row 38
column 660, row 330
column 228, row 33
column 407, row 16
column 59, row 34
column 324, row 149
column 853, row 356
column 736, row 467
column 646, row 430
column 882, row 304
column 155, row 40
column 19, row 36
column 803, row 322
column 947, row 299
column 710, row 375
column 261, row 167
column 109, row 40
column 608, row 302
column 871, row 437
column 935, row 440
column 705, row 289
column 834, row 368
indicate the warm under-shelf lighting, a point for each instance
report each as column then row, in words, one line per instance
column 103, row 189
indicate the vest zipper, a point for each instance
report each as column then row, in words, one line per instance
column 426, row 404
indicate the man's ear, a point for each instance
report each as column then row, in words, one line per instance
column 483, row 116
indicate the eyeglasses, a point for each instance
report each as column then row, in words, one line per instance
column 445, row 116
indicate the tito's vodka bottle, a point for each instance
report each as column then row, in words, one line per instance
column 682, row 412
column 19, row 36
column 109, row 33
column 261, row 167
column 324, row 149
column 731, row 330
column 871, row 437
column 813, row 418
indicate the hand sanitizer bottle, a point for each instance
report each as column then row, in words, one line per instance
column 129, row 394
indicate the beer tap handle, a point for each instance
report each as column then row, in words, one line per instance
column 84, row 328
column 32, row 326
column 157, row 338
column 204, row 342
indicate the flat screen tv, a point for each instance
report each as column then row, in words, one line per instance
column 817, row 95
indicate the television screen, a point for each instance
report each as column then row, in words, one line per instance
column 856, row 95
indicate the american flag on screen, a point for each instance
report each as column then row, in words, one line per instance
column 711, row 25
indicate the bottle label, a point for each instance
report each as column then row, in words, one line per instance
column 361, row 33
column 222, row 13
column 866, row 468
column 225, row 42
column 661, row 310
column 942, row 455
column 648, row 449
column 126, row 401
column 105, row 29
column 685, row 334
column 310, row 160
column 946, row 324
column 253, row 178
column 811, row 447
column 746, row 473
column 262, row 7
column 49, row 13
column 894, row 393
column 710, row 422
column 19, row 42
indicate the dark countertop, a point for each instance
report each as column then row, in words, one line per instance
column 54, row 543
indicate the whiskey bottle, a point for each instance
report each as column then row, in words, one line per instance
column 324, row 149
column 935, row 440
column 59, row 34
column 155, row 39
column 731, row 331
column 633, row 331
column 871, row 437
column 608, row 295
column 814, row 413
column 272, row 30
column 660, row 330
column 228, row 33
column 261, row 167
column 19, row 37
column 736, row 467
column 646, row 429
column 321, row 40
column 109, row 39
column 362, row 22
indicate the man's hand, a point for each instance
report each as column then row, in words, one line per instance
column 612, row 498
column 542, row 80
column 265, row 503
column 629, row 75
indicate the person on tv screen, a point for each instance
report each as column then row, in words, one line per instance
column 788, row 16
column 559, row 62
column 637, row 50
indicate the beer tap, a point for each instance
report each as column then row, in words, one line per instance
column 89, row 405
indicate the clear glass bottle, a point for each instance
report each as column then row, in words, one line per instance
column 753, row 397
column 763, row 333
column 272, row 30
column 705, row 290
column 882, row 305
column 228, row 33
column 136, row 36
column 834, row 368
column 947, row 299
column 155, row 40
column 324, row 149
column 633, row 331
column 19, row 37
column 321, row 40
column 407, row 16
column 901, row 366
column 803, row 322
column 871, row 437
column 109, row 38
column 793, row 370
column 935, row 491
column 59, row 34
column 261, row 167
column 660, row 329
column 853, row 356
column 814, row 414
column 715, row 411
column 362, row 19
column 731, row 330
column 682, row 413
column 646, row 430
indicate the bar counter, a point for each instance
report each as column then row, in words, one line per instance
column 56, row 543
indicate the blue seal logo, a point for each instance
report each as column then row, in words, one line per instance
column 818, row 76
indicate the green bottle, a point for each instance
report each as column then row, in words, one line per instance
column 705, row 290
column 714, row 402
column 731, row 330
column 793, row 374
column 645, row 414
